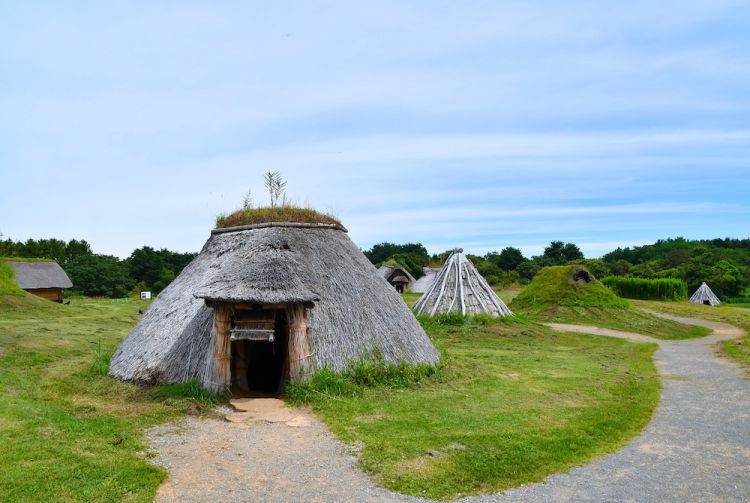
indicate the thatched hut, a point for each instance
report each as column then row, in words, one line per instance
column 459, row 288
column 398, row 277
column 425, row 282
column 704, row 295
column 269, row 302
column 45, row 279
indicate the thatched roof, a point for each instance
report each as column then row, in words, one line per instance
column 459, row 288
column 39, row 275
column 704, row 295
column 355, row 310
column 269, row 274
column 425, row 282
column 396, row 274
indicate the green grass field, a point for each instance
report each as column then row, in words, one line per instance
column 67, row 432
column 738, row 349
column 628, row 320
column 513, row 402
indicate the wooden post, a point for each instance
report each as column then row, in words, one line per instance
column 220, row 370
column 300, row 357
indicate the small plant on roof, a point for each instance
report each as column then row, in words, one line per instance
column 276, row 186
column 280, row 209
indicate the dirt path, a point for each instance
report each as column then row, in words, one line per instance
column 268, row 452
column 696, row 448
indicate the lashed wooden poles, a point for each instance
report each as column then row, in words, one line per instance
column 448, row 292
column 300, row 361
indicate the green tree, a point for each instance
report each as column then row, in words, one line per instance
column 99, row 275
column 508, row 259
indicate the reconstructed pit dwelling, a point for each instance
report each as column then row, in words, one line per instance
column 459, row 288
column 266, row 303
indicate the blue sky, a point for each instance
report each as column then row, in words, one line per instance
column 474, row 124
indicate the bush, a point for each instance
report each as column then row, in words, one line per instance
column 648, row 289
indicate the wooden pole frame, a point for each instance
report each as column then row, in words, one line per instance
column 300, row 353
column 221, row 373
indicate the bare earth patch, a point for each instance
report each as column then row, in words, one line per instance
column 265, row 451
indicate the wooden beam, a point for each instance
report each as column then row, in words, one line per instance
column 222, row 356
column 300, row 354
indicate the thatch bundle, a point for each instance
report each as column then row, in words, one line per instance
column 354, row 310
column 704, row 295
column 459, row 288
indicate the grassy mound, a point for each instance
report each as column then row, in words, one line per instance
column 8, row 286
column 554, row 296
column 555, row 286
column 250, row 216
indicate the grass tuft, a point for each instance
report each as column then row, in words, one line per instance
column 102, row 359
column 369, row 372
column 250, row 216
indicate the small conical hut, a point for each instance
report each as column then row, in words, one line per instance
column 266, row 303
column 704, row 295
column 459, row 288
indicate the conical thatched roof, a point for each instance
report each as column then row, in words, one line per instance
column 355, row 310
column 397, row 274
column 459, row 288
column 425, row 282
column 704, row 295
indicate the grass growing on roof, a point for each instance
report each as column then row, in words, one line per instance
column 8, row 285
column 554, row 286
column 250, row 216
column 513, row 402
column 67, row 430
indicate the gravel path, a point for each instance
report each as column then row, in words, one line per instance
column 696, row 448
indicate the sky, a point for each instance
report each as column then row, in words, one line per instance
column 455, row 124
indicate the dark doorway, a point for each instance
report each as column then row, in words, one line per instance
column 264, row 362
column 706, row 302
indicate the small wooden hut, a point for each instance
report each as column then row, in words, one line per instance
column 704, row 295
column 45, row 279
column 459, row 288
column 266, row 303
column 398, row 277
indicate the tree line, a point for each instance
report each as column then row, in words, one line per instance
column 722, row 263
column 98, row 275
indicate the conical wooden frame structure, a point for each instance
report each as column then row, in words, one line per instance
column 459, row 288
column 704, row 295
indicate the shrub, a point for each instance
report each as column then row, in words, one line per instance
column 648, row 289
